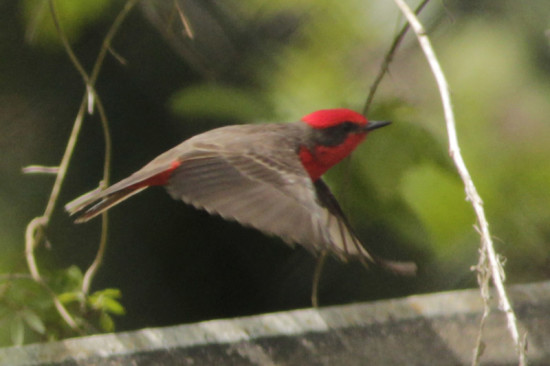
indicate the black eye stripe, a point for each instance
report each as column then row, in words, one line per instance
column 350, row 126
column 335, row 135
column 343, row 127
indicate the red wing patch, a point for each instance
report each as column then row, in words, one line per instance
column 159, row 179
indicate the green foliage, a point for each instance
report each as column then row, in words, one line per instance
column 28, row 313
column 101, row 305
column 75, row 17
column 23, row 308
column 218, row 101
column 106, row 301
column 431, row 193
column 17, row 331
column 22, row 319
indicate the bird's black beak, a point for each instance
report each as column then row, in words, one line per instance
column 373, row 125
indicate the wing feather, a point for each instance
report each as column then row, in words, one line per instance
column 261, row 193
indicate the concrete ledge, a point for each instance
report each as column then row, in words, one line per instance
column 436, row 329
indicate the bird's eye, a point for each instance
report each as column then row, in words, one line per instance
column 348, row 126
column 335, row 135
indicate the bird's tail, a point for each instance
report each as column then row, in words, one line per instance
column 97, row 201
column 93, row 203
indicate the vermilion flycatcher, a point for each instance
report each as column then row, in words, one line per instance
column 265, row 176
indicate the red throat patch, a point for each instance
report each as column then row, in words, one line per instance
column 322, row 158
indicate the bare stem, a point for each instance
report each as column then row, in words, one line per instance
column 495, row 266
column 109, row 37
column 373, row 88
column 92, row 270
column 184, row 21
column 106, row 47
column 483, row 278
column 317, row 278
column 40, row 169
column 388, row 59
column 35, row 228
column 16, row 276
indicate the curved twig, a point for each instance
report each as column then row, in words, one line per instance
column 388, row 59
column 106, row 47
column 493, row 261
column 372, row 91
column 92, row 270
column 35, row 229
column 317, row 278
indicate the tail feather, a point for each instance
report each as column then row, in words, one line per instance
column 97, row 201
column 79, row 203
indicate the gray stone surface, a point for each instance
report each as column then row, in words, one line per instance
column 436, row 329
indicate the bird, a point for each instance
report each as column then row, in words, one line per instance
column 265, row 176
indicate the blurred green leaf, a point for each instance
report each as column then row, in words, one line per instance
column 389, row 154
column 68, row 297
column 74, row 274
column 438, row 198
column 112, row 306
column 105, row 300
column 17, row 331
column 74, row 17
column 67, row 280
column 109, row 292
column 106, row 322
column 218, row 101
column 33, row 321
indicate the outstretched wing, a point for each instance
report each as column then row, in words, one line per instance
column 276, row 198
column 347, row 235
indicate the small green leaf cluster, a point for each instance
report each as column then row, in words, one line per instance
column 28, row 313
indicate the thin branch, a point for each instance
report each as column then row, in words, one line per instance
column 188, row 31
column 92, row 270
column 35, row 229
column 317, row 278
column 372, row 91
column 89, row 99
column 60, row 177
column 35, row 21
column 65, row 41
column 109, row 37
column 40, row 169
column 62, row 310
column 106, row 47
column 483, row 278
column 118, row 57
column 16, row 276
column 388, row 59
column 471, row 192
